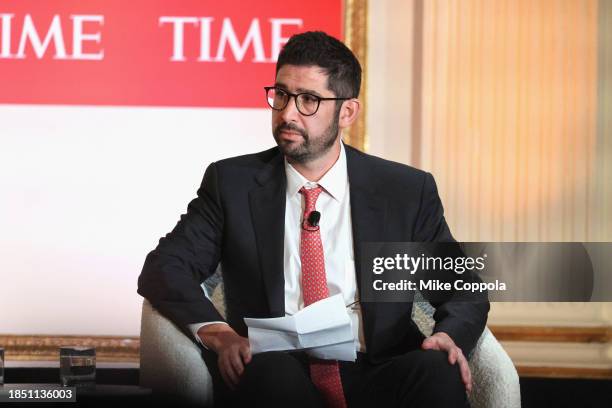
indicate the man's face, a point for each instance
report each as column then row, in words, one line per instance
column 304, row 138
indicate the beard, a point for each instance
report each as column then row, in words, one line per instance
column 311, row 148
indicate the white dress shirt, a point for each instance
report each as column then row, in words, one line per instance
column 336, row 236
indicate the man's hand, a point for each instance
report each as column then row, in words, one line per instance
column 442, row 341
column 233, row 350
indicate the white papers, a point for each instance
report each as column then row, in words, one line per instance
column 322, row 330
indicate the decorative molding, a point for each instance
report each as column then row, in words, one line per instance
column 356, row 38
column 558, row 352
column 562, row 356
column 554, row 314
column 564, row 372
column 553, row 352
column 44, row 348
column 553, row 334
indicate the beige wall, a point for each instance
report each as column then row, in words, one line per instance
column 509, row 117
column 503, row 102
column 500, row 104
column 389, row 92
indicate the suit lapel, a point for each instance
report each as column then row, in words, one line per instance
column 267, row 204
column 368, row 207
column 369, row 217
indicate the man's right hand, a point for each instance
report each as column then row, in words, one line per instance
column 233, row 350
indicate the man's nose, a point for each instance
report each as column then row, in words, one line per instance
column 290, row 113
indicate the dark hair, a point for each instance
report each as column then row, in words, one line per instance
column 319, row 49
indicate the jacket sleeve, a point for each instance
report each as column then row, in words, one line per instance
column 184, row 258
column 462, row 315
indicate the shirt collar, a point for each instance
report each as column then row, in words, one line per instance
column 334, row 181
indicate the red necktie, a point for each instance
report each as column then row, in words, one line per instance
column 325, row 374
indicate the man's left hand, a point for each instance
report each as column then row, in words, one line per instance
column 442, row 341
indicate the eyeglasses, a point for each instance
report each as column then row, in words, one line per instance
column 307, row 104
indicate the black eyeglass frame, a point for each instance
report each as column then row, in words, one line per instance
column 295, row 97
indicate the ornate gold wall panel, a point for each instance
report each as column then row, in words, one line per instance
column 356, row 38
column 46, row 348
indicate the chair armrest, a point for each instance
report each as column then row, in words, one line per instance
column 496, row 382
column 494, row 377
column 171, row 364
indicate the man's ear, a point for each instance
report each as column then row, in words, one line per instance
column 349, row 111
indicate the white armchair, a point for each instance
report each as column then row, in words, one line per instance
column 495, row 380
column 172, row 365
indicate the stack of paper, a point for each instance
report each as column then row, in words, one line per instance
column 322, row 330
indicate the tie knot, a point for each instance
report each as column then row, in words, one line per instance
column 310, row 197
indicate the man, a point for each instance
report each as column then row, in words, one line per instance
column 253, row 214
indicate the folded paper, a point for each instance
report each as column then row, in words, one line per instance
column 322, row 330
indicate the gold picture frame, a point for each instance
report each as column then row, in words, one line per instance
column 46, row 348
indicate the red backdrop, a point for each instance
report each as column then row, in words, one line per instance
column 149, row 53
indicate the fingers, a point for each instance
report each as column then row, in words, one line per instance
column 430, row 343
column 452, row 350
column 235, row 360
column 455, row 355
column 452, row 355
column 245, row 352
column 231, row 367
column 229, row 377
column 466, row 375
column 234, row 352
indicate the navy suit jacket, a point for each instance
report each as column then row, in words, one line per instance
column 238, row 218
